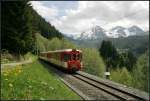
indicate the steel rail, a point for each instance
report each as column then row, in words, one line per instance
column 108, row 88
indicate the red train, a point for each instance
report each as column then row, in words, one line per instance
column 68, row 59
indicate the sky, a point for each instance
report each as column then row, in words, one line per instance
column 74, row 17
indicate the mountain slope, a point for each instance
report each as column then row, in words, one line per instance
column 20, row 22
column 98, row 32
column 119, row 31
column 137, row 44
column 94, row 33
column 45, row 28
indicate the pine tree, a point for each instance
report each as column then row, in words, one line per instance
column 20, row 23
column 127, row 59
column 109, row 54
column 16, row 27
column 141, row 72
column 131, row 61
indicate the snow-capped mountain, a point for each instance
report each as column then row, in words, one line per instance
column 98, row 32
column 93, row 33
column 134, row 30
column 125, row 32
column 116, row 32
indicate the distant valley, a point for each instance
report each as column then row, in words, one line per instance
column 133, row 38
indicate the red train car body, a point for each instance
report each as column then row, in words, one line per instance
column 68, row 59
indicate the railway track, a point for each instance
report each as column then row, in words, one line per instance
column 91, row 88
column 118, row 93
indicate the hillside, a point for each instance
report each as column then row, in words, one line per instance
column 138, row 44
column 93, row 64
column 45, row 28
column 19, row 25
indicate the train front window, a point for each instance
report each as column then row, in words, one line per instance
column 74, row 56
column 67, row 57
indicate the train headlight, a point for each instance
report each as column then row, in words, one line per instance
column 65, row 64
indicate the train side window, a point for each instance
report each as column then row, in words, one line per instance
column 48, row 55
column 67, row 57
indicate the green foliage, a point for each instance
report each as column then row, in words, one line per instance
column 30, row 56
column 32, row 82
column 42, row 26
column 41, row 42
column 16, row 27
column 138, row 77
column 92, row 62
column 127, row 59
column 122, row 75
column 141, row 72
column 109, row 54
column 55, row 44
column 19, row 25
column 114, row 58
column 6, row 57
column 137, row 44
column 45, row 44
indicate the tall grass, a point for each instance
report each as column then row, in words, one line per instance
column 33, row 82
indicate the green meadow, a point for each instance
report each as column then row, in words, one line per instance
column 33, row 82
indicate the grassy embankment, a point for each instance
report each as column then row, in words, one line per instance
column 28, row 84
column 92, row 62
column 33, row 81
column 6, row 57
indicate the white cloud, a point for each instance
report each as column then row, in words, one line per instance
column 46, row 12
column 106, row 14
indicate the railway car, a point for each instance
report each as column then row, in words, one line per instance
column 68, row 59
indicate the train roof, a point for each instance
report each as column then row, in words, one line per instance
column 63, row 50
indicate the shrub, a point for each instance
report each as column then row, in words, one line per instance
column 122, row 76
column 141, row 73
column 92, row 62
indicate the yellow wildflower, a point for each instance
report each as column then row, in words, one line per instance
column 5, row 74
column 6, row 79
column 16, row 74
column 10, row 85
column 19, row 71
column 30, row 86
column 44, row 83
column 18, row 67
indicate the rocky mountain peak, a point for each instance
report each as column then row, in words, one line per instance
column 118, row 28
column 98, row 32
column 136, row 30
